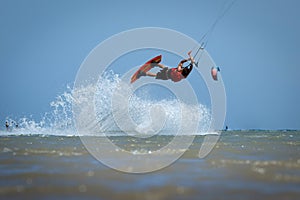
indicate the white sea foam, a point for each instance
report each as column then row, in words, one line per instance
column 60, row 120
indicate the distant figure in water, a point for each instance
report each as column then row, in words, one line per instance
column 7, row 125
column 226, row 128
column 175, row 74
column 15, row 123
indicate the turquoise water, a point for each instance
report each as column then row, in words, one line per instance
column 242, row 165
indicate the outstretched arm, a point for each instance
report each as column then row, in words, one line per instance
column 191, row 57
column 179, row 67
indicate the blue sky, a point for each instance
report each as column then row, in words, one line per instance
column 43, row 43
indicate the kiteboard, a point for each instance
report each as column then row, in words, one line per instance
column 145, row 67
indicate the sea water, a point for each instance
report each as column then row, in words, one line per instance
column 243, row 165
column 46, row 159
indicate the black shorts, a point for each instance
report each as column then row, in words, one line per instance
column 162, row 74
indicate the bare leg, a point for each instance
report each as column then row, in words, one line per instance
column 160, row 65
column 150, row 74
column 156, row 64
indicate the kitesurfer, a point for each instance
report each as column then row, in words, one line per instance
column 7, row 125
column 175, row 74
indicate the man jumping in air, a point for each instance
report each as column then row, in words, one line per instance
column 175, row 74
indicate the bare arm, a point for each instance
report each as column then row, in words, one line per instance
column 191, row 57
column 179, row 67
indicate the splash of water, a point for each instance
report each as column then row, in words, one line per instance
column 60, row 120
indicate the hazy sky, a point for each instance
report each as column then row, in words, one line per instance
column 43, row 43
